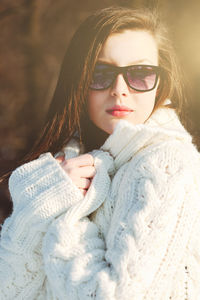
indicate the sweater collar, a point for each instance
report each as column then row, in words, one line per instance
column 127, row 139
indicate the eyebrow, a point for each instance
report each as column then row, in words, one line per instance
column 100, row 61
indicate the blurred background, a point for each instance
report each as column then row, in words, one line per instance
column 34, row 35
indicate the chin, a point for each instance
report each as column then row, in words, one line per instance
column 111, row 127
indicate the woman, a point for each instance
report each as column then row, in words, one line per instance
column 121, row 221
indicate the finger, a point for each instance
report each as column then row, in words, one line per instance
column 79, row 172
column 82, row 160
column 87, row 172
column 83, row 183
column 60, row 159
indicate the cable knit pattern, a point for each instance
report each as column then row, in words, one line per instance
column 135, row 235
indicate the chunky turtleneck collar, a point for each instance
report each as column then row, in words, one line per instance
column 127, row 139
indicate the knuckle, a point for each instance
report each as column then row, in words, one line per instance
column 70, row 171
column 93, row 170
column 91, row 160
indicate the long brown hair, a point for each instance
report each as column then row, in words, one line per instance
column 68, row 109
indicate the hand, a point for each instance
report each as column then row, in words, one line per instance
column 80, row 169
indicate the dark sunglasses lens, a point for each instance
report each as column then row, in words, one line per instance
column 102, row 78
column 142, row 78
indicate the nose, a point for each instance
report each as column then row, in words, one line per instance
column 119, row 87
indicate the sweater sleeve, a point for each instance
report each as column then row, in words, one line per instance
column 40, row 192
column 148, row 234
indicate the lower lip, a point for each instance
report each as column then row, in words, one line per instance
column 119, row 113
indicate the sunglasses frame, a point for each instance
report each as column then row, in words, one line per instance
column 123, row 70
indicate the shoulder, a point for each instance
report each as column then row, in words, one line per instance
column 168, row 170
column 169, row 156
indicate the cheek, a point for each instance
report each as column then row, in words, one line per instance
column 151, row 104
column 146, row 103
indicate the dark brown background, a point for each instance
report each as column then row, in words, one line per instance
column 34, row 35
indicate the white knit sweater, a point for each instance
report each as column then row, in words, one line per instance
column 135, row 235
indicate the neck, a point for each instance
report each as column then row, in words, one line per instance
column 92, row 136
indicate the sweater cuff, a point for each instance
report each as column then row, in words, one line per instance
column 42, row 189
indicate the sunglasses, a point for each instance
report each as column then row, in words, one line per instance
column 141, row 78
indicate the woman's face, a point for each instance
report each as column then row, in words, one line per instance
column 119, row 101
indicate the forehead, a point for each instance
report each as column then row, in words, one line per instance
column 129, row 47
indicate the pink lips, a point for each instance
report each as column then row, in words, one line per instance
column 119, row 111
